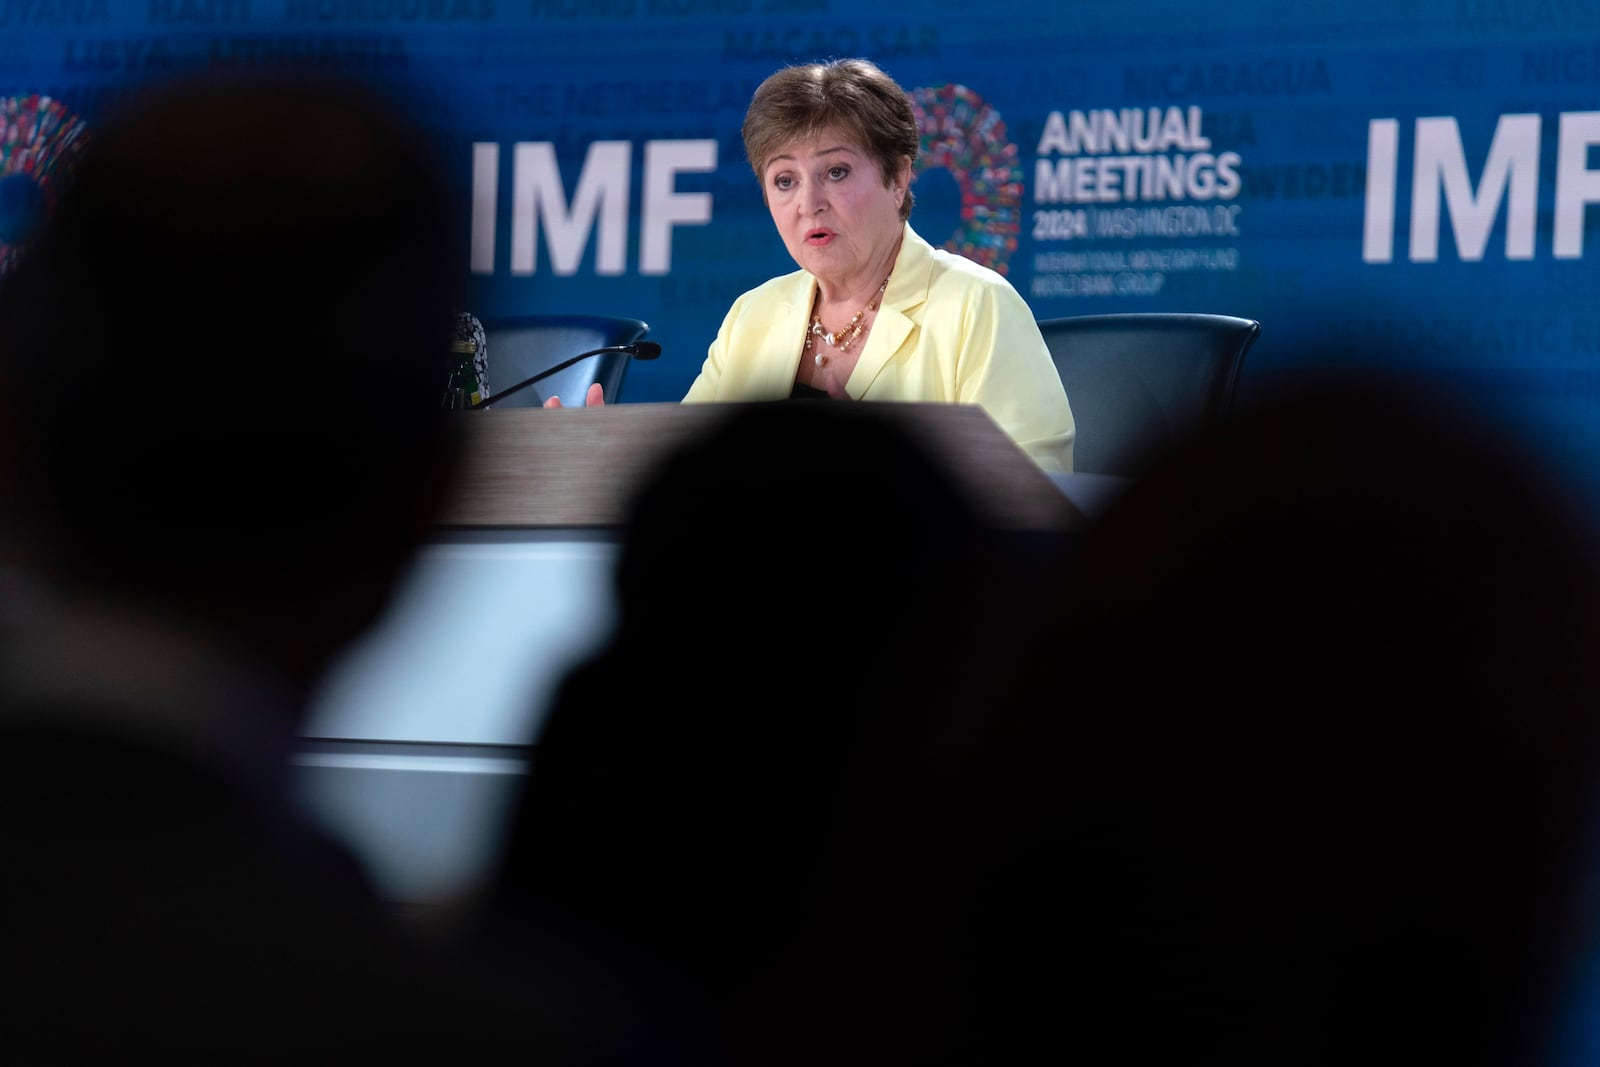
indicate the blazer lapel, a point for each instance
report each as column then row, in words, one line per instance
column 782, row 337
column 908, row 290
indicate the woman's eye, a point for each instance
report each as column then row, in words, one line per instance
column 783, row 182
column 838, row 173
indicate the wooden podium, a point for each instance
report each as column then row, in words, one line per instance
column 576, row 467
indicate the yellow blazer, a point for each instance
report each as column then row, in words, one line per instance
column 948, row 331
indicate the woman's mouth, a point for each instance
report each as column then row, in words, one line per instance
column 818, row 237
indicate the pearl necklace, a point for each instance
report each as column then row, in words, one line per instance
column 845, row 337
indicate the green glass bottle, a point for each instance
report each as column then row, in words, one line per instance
column 465, row 386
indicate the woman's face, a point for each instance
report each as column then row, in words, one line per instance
column 835, row 215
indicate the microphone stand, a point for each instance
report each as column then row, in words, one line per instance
column 638, row 350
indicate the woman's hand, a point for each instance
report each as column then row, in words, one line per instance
column 595, row 397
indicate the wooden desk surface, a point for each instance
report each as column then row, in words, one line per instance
column 575, row 467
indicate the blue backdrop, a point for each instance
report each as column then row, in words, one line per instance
column 1413, row 179
column 1414, row 171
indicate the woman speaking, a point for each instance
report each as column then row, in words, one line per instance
column 874, row 312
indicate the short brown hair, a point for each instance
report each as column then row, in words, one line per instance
column 850, row 94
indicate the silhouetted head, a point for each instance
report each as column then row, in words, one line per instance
column 223, row 358
column 732, row 787
column 729, row 524
column 1306, row 771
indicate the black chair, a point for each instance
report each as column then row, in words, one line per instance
column 518, row 347
column 1140, row 380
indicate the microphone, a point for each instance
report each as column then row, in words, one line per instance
column 637, row 350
